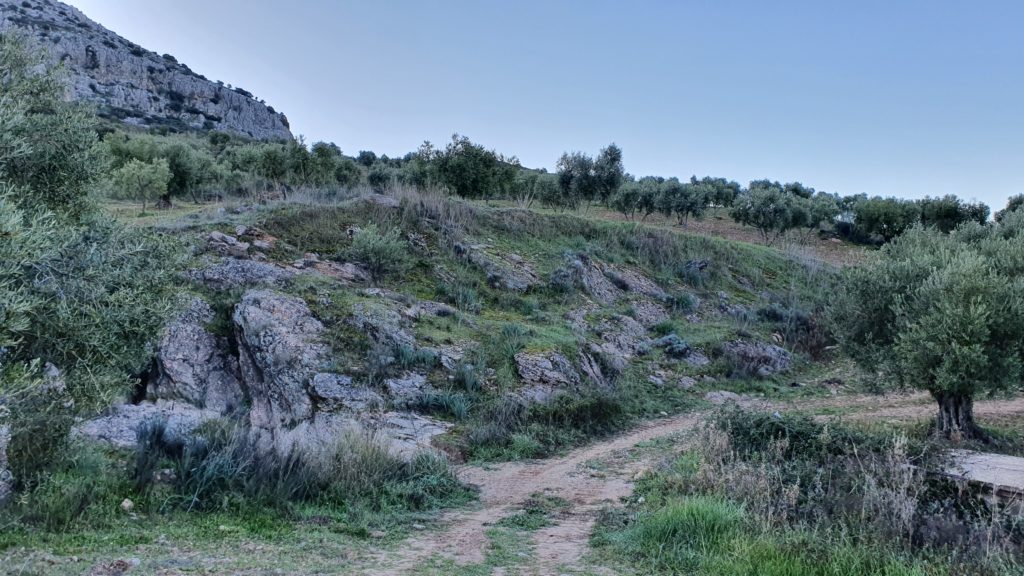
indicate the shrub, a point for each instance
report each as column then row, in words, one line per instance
column 83, row 485
column 381, row 253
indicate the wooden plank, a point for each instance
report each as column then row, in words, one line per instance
column 1004, row 475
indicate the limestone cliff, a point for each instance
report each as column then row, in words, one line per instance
column 132, row 84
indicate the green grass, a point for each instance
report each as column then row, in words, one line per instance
column 709, row 536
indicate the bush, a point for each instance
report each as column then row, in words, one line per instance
column 382, row 254
column 84, row 485
column 77, row 290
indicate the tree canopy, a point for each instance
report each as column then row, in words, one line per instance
column 942, row 313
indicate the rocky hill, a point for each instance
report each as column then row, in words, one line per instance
column 134, row 85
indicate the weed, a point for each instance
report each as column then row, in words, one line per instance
column 536, row 514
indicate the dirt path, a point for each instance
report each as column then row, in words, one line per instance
column 904, row 406
column 504, row 488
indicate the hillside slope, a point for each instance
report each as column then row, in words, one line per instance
column 132, row 84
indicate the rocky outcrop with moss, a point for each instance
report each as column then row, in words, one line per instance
column 132, row 84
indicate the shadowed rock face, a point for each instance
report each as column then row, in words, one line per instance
column 135, row 85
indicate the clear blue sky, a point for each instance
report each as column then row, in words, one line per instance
column 886, row 97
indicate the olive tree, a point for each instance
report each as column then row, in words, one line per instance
column 608, row 172
column 941, row 313
column 77, row 290
column 576, row 179
column 885, row 218
column 769, row 209
column 472, row 171
column 48, row 144
column 141, row 181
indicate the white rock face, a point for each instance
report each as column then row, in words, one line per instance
column 132, row 84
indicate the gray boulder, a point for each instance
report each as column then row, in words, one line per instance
column 120, row 425
column 407, row 387
column 334, row 392
column 632, row 281
column 622, row 339
column 294, row 404
column 649, row 313
column 227, row 245
column 758, row 359
column 381, row 322
column 233, row 273
column 590, row 275
column 407, row 433
column 545, row 375
column 194, row 366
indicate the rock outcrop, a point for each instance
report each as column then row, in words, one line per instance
column 119, row 427
column 194, row 366
column 132, row 84
column 545, row 375
column 233, row 273
column 605, row 283
column 758, row 359
column 279, row 353
column 506, row 271
column 622, row 338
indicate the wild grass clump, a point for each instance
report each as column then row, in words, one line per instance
column 678, row 536
column 536, row 513
column 514, row 429
column 227, row 469
column 82, row 485
column 451, row 404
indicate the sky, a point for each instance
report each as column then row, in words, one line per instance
column 896, row 97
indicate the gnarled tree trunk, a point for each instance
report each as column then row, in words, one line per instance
column 956, row 417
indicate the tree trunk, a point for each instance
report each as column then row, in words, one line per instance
column 956, row 418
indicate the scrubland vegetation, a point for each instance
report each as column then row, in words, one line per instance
column 771, row 494
column 83, row 296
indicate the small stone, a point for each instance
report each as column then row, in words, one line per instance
column 127, row 505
